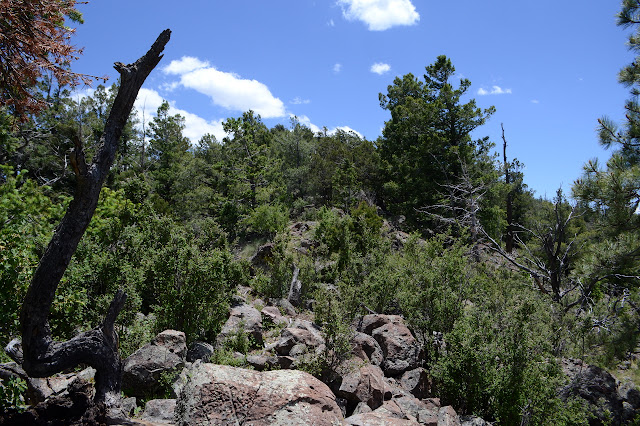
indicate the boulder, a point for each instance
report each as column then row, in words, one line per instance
column 242, row 318
column 378, row 419
column 401, row 350
column 290, row 337
column 413, row 408
column 473, row 421
column 367, row 348
column 263, row 256
column 284, row 305
column 370, row 322
column 447, row 416
column 142, row 370
column 365, row 384
column 271, row 314
column 415, row 382
column 597, row 387
column 159, row 411
column 199, row 351
column 223, row 395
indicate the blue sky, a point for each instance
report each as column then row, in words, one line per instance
column 549, row 67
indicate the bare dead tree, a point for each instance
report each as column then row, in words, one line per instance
column 41, row 356
column 509, row 237
column 462, row 207
column 548, row 266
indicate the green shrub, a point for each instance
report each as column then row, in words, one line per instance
column 267, row 220
column 11, row 394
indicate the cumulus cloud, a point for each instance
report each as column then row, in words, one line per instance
column 147, row 104
column 337, row 68
column 495, row 90
column 380, row 15
column 380, row 68
column 227, row 90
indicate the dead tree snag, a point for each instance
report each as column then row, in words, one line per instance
column 41, row 355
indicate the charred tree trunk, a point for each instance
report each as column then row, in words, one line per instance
column 509, row 239
column 42, row 356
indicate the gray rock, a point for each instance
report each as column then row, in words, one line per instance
column 164, row 355
column 596, row 386
column 128, row 405
column 370, row 322
column 289, row 337
column 159, row 411
column 242, row 318
column 285, row 305
column 271, row 314
column 199, row 351
column 415, row 382
column 447, row 416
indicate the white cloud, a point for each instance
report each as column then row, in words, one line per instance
column 380, row 68
column 299, row 101
column 225, row 89
column 331, row 23
column 304, row 120
column 535, row 101
column 495, row 90
column 337, row 68
column 346, row 129
column 380, row 15
column 147, row 104
column 184, row 65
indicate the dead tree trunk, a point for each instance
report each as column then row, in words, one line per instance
column 42, row 356
column 509, row 239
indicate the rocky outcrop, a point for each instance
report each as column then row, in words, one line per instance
column 164, row 355
column 222, row 395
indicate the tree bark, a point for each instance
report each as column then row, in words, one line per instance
column 42, row 356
